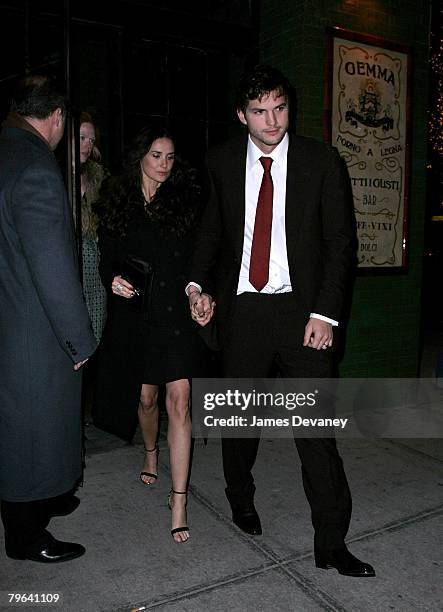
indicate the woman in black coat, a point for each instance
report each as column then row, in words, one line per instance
column 148, row 214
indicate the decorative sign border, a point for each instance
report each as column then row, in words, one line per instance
column 367, row 118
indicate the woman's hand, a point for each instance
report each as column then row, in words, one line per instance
column 122, row 288
column 201, row 306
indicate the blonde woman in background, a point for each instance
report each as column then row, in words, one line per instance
column 92, row 174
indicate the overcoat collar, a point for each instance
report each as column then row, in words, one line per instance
column 14, row 120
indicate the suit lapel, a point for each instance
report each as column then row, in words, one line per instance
column 236, row 187
column 296, row 181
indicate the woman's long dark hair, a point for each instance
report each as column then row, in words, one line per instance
column 174, row 205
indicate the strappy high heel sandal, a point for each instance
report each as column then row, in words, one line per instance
column 149, row 474
column 177, row 529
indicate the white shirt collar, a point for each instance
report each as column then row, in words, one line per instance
column 278, row 154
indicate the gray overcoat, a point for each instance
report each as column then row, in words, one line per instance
column 44, row 325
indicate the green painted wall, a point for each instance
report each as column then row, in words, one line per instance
column 384, row 328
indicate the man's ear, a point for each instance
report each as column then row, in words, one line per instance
column 58, row 116
column 241, row 116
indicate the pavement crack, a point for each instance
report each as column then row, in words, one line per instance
column 322, row 599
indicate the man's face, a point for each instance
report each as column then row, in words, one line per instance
column 267, row 120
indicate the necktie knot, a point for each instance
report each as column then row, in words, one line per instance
column 266, row 162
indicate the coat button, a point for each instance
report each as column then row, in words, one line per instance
column 176, row 332
column 169, row 308
column 162, row 283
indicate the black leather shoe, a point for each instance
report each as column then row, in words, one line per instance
column 247, row 519
column 344, row 562
column 53, row 552
column 64, row 506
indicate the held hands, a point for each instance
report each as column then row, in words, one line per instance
column 201, row 306
column 318, row 334
column 122, row 288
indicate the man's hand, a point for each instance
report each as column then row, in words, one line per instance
column 201, row 306
column 318, row 334
column 80, row 364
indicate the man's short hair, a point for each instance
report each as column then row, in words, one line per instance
column 260, row 81
column 37, row 96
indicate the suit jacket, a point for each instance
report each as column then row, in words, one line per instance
column 44, row 325
column 319, row 227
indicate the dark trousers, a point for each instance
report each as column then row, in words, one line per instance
column 265, row 336
column 25, row 523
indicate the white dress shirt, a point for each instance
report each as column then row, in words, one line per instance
column 279, row 281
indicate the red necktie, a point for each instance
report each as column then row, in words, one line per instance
column 261, row 241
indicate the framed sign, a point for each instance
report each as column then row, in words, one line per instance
column 367, row 118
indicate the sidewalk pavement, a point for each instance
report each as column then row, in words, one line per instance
column 132, row 562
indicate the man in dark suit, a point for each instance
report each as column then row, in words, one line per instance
column 45, row 332
column 278, row 232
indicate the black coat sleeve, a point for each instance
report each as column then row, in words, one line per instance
column 338, row 239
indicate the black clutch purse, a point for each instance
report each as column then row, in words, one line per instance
column 140, row 274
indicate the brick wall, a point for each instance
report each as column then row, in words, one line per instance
column 383, row 333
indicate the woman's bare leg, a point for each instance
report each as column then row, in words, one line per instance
column 179, row 441
column 148, row 419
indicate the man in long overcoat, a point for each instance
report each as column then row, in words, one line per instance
column 45, row 332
